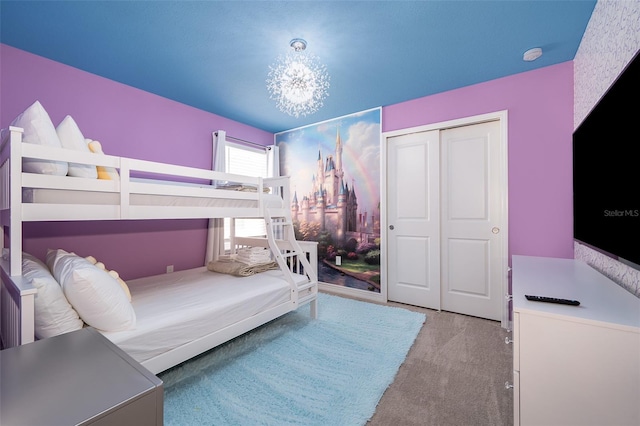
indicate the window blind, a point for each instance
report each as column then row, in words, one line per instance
column 246, row 161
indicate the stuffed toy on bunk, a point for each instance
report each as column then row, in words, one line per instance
column 106, row 173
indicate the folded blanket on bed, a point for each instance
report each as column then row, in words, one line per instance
column 242, row 187
column 239, row 269
column 253, row 255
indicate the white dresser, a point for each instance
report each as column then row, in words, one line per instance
column 574, row 365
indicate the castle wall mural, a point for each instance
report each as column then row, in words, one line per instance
column 335, row 184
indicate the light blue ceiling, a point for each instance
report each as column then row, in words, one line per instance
column 215, row 55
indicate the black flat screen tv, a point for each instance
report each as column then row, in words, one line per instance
column 606, row 171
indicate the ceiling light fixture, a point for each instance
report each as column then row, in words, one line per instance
column 298, row 82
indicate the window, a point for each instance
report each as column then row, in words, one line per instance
column 246, row 161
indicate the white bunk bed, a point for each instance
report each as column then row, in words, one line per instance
column 29, row 197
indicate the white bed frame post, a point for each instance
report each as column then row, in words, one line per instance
column 16, row 296
column 125, row 188
column 5, row 182
column 15, row 202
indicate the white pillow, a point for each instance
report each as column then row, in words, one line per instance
column 96, row 296
column 53, row 313
column 112, row 274
column 39, row 130
column 71, row 138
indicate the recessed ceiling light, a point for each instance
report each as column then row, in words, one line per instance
column 532, row 54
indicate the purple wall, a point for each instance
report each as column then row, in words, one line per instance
column 540, row 108
column 128, row 122
column 133, row 123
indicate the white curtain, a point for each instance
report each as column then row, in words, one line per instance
column 215, row 233
column 273, row 170
column 273, row 161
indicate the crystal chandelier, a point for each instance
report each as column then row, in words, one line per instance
column 298, row 82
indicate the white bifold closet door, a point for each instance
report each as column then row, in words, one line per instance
column 413, row 243
column 445, row 214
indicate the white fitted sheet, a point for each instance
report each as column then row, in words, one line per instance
column 176, row 308
column 62, row 196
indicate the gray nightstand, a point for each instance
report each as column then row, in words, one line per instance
column 78, row 378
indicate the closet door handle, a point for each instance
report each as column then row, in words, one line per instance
column 391, row 227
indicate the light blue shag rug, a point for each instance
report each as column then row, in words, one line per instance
column 295, row 370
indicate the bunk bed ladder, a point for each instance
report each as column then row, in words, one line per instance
column 290, row 256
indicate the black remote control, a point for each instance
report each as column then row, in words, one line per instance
column 552, row 300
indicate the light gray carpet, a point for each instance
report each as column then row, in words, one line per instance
column 454, row 374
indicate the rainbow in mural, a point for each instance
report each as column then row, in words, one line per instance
column 335, row 183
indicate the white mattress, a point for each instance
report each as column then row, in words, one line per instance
column 62, row 196
column 173, row 309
